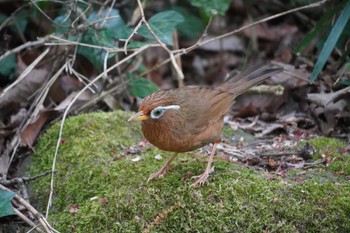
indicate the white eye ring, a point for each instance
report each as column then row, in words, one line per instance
column 157, row 112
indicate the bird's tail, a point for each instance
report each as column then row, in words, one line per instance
column 241, row 82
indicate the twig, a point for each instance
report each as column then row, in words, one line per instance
column 201, row 43
column 26, row 71
column 312, row 5
column 27, row 220
column 131, row 35
column 279, row 154
column 82, row 14
column 108, row 13
column 29, row 207
column 42, row 12
column 40, row 41
column 103, row 95
column 23, row 179
column 178, row 59
column 172, row 57
column 161, row 216
column 70, row 43
column 205, row 32
column 275, row 90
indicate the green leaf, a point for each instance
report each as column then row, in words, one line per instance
column 3, row 17
column 331, row 41
column 138, row 44
column 212, row 7
column 102, row 38
column 163, row 24
column 6, row 207
column 113, row 18
column 192, row 26
column 141, row 87
column 345, row 82
column 19, row 21
column 318, row 28
column 113, row 29
column 62, row 24
column 122, row 32
column 346, row 69
column 8, row 65
column 114, row 23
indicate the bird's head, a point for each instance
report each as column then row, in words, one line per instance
column 153, row 107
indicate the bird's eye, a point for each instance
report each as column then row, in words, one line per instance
column 157, row 113
column 160, row 110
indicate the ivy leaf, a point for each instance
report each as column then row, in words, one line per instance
column 8, row 65
column 192, row 26
column 113, row 29
column 163, row 24
column 212, row 7
column 102, row 38
column 141, row 87
column 62, row 24
column 114, row 24
column 138, row 44
column 19, row 21
column 113, row 18
column 6, row 207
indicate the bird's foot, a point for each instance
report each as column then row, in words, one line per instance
column 202, row 178
column 163, row 170
column 159, row 174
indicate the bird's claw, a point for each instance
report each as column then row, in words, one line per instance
column 159, row 174
column 155, row 175
column 200, row 179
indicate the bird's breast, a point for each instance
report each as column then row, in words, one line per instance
column 166, row 138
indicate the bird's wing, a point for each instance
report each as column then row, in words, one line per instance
column 205, row 106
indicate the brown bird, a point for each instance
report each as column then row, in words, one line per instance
column 185, row 119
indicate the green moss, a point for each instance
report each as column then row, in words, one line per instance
column 235, row 200
column 227, row 131
column 327, row 146
column 236, row 135
column 330, row 148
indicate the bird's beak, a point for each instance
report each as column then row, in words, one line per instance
column 140, row 116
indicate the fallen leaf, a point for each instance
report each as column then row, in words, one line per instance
column 74, row 209
column 32, row 130
column 158, row 157
column 21, row 92
column 136, row 159
column 231, row 43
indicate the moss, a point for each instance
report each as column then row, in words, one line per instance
column 327, row 146
column 227, row 131
column 113, row 195
column 236, row 135
column 330, row 149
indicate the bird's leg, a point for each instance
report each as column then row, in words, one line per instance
column 202, row 178
column 164, row 169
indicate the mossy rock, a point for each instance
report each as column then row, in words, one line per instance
column 113, row 195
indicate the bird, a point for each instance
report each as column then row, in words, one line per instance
column 190, row 117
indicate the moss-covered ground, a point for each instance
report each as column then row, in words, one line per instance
column 112, row 195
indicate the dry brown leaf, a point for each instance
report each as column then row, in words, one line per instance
column 31, row 131
column 266, row 32
column 231, row 43
column 325, row 99
column 21, row 92
column 291, row 77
